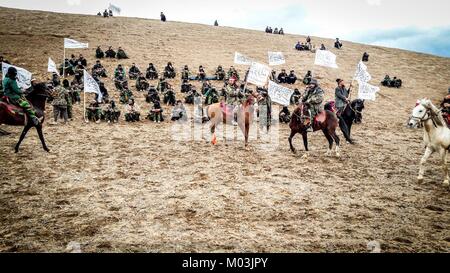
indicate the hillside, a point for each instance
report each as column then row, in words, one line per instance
column 130, row 187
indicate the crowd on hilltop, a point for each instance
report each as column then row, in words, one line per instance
column 106, row 13
column 274, row 31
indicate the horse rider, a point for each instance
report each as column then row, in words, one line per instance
column 234, row 97
column 313, row 99
column 341, row 96
column 16, row 96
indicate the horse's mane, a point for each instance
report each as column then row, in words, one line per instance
column 436, row 117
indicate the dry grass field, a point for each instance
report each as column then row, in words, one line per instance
column 134, row 188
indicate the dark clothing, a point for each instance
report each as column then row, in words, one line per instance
column 291, row 79
column 282, row 77
column 341, row 96
column 110, row 53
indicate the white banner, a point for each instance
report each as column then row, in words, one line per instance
column 23, row 76
column 362, row 75
column 52, row 66
column 91, row 86
column 325, row 58
column 276, row 58
column 367, row 91
column 280, row 94
column 115, row 9
column 258, row 74
column 69, row 43
column 242, row 59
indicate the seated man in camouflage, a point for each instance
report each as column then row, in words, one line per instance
column 185, row 73
column 99, row 70
column 189, row 99
column 152, row 73
column 156, row 113
column 163, row 85
column 120, row 79
column 16, row 96
column 282, row 77
column 295, row 99
column 152, row 95
column 285, row 115
column 186, row 86
column 308, row 77
column 387, row 81
column 220, row 73
column 125, row 95
column 313, row 99
column 201, row 75
column 132, row 112
column 232, row 72
column 141, row 83
column 133, row 72
column 66, row 68
column 169, row 71
column 94, row 112
column 211, row 96
column 110, row 53
column 112, row 113
column 169, row 97
column 121, row 54
column 99, row 54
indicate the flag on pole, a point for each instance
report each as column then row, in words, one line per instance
column 69, row 43
column 280, row 94
column 52, row 66
column 325, row 58
column 242, row 59
column 361, row 74
column 114, row 8
column 23, row 76
column 276, row 58
column 258, row 74
column 91, row 86
column 367, row 91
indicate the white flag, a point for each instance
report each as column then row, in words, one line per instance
column 52, row 66
column 91, row 86
column 362, row 75
column 258, row 74
column 367, row 91
column 325, row 58
column 115, row 9
column 23, row 76
column 69, row 43
column 280, row 94
column 276, row 58
column 242, row 59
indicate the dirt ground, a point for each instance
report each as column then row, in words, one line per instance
column 136, row 188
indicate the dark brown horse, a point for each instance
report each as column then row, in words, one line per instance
column 326, row 121
column 13, row 115
column 222, row 113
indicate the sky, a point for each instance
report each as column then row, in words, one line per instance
column 422, row 26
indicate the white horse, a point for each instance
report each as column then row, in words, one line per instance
column 436, row 134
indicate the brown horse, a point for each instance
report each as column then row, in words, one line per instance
column 326, row 121
column 222, row 113
column 13, row 115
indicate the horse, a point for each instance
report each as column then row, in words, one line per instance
column 326, row 121
column 221, row 113
column 436, row 134
column 15, row 116
column 351, row 114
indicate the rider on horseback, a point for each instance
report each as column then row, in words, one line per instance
column 16, row 96
column 234, row 96
column 341, row 96
column 313, row 99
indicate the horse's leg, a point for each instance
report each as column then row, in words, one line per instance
column 291, row 137
column 247, row 127
column 428, row 153
column 41, row 137
column 22, row 136
column 330, row 141
column 337, row 141
column 444, row 165
column 345, row 129
column 305, row 140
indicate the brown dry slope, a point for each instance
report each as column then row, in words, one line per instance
column 132, row 187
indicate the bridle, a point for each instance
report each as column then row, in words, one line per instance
column 423, row 119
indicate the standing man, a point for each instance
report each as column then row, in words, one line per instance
column 341, row 96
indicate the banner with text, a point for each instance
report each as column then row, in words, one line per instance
column 258, row 74
column 276, row 58
column 280, row 94
column 23, row 76
column 325, row 58
column 69, row 43
column 242, row 59
column 91, row 86
column 367, row 91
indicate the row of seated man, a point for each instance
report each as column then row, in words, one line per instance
column 110, row 53
column 274, row 31
column 107, row 13
column 394, row 82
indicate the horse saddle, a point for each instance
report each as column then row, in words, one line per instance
column 318, row 119
column 11, row 108
column 226, row 109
